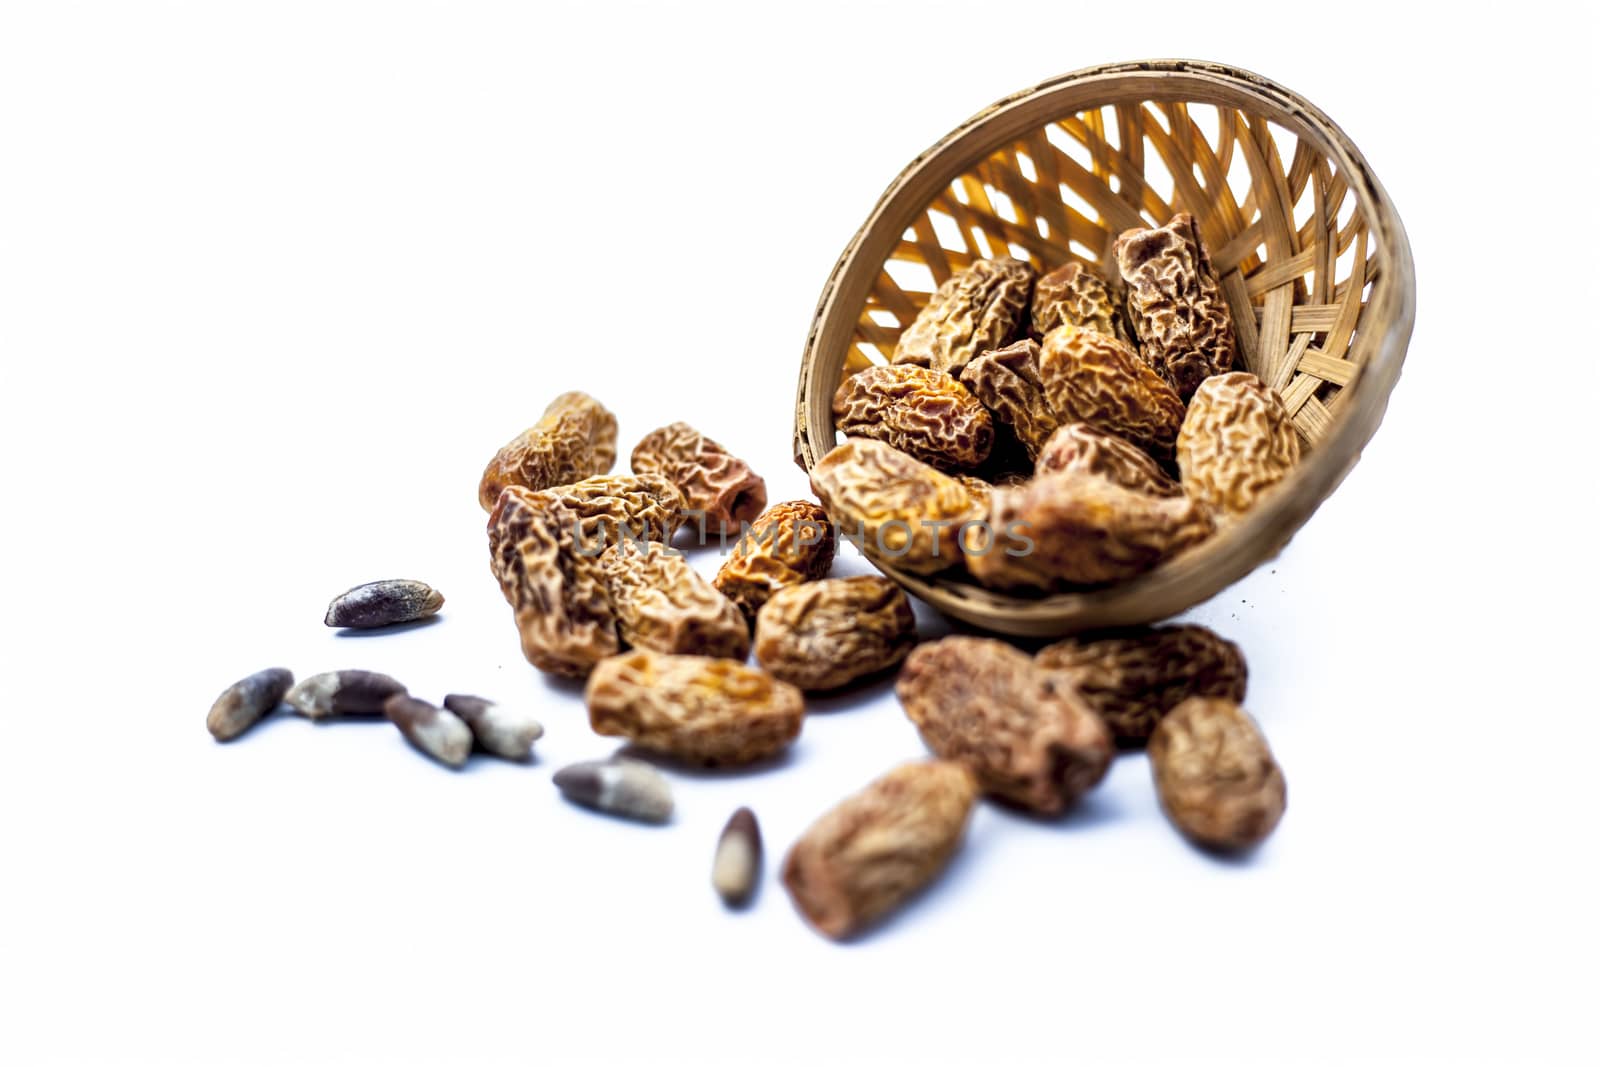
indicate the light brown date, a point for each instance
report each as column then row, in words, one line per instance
column 1089, row 377
column 576, row 438
column 1023, row 730
column 790, row 543
column 877, row 848
column 715, row 483
column 1237, row 443
column 826, row 634
column 905, row 512
column 973, row 311
column 1078, row 446
column 662, row 604
column 923, row 413
column 1007, row 382
column 1073, row 294
column 1216, row 777
column 1175, row 303
column 557, row 594
column 615, row 508
column 712, row 712
column 1082, row 529
column 1134, row 677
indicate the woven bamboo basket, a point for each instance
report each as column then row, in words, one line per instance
column 1311, row 254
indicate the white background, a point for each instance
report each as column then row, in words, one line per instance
column 276, row 279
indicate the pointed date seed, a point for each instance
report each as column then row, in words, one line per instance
column 737, row 866
column 630, row 788
column 433, row 731
column 335, row 693
column 385, row 603
column 246, row 701
column 506, row 732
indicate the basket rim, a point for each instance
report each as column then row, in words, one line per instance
column 1223, row 559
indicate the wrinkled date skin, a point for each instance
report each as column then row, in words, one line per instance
column 1175, row 303
column 1025, row 733
column 923, row 413
column 661, row 603
column 1133, row 678
column 1007, row 382
column 790, row 543
column 712, row 712
column 1237, row 442
column 557, row 594
column 1215, row 775
column 715, row 483
column 1089, row 377
column 1080, row 447
column 907, row 513
column 973, row 311
column 618, row 507
column 1082, row 529
column 876, row 849
column 826, row 634
column 1075, row 295
column 575, row 439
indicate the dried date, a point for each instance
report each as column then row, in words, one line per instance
column 1175, row 303
column 904, row 511
column 973, row 311
column 556, row 592
column 1007, row 382
column 923, row 413
column 1237, row 442
column 661, row 603
column 1133, row 678
column 789, row 543
column 1078, row 446
column 1026, row 734
column 826, row 634
column 576, row 438
column 716, row 485
column 1073, row 294
column 1089, row 377
column 713, row 712
column 877, row 848
column 1216, row 777
column 1082, row 529
column 617, row 508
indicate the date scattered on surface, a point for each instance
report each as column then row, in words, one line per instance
column 923, row 413
column 575, row 439
column 905, row 512
column 736, row 867
column 246, row 702
column 1237, row 442
column 383, row 603
column 557, row 594
column 790, row 543
column 1028, row 737
column 1175, row 303
column 339, row 693
column 662, row 603
column 433, row 731
column 715, row 483
column 1075, row 295
column 1134, row 677
column 1080, row 447
column 1215, row 775
column 1006, row 380
column 826, row 634
column 506, row 732
column 627, row 787
column 712, row 712
column 975, row 310
column 611, row 509
column 876, row 849
column 1089, row 377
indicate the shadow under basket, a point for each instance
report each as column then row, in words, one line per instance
column 1311, row 254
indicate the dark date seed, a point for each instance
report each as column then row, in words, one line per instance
column 385, row 603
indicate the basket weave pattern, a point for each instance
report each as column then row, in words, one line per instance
column 1311, row 256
